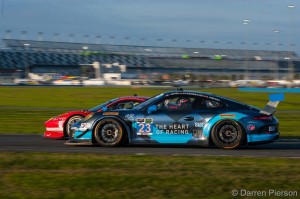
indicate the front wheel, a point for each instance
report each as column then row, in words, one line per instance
column 72, row 120
column 227, row 134
column 109, row 133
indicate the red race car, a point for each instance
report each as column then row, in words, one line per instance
column 60, row 126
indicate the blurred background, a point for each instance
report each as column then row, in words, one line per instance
column 202, row 44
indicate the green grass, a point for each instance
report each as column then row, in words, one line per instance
column 25, row 109
column 50, row 175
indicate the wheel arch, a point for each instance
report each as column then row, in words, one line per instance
column 124, row 125
column 67, row 120
column 231, row 120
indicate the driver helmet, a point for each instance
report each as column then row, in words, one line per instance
column 184, row 103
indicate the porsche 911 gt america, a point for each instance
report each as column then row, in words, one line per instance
column 60, row 126
column 182, row 117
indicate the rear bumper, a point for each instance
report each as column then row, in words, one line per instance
column 262, row 138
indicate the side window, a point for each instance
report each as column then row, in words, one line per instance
column 123, row 105
column 176, row 103
column 213, row 104
column 204, row 103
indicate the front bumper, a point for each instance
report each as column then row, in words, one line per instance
column 54, row 128
column 78, row 137
column 54, row 133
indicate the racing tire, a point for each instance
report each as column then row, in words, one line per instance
column 109, row 133
column 72, row 120
column 227, row 134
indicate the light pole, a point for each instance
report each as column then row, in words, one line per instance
column 84, row 48
column 287, row 61
column 195, row 57
column 26, row 45
column 290, row 60
column 276, row 64
column 246, row 67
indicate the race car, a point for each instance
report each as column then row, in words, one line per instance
column 59, row 126
column 182, row 117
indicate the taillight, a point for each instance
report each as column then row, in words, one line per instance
column 263, row 117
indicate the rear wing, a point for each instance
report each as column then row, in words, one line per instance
column 270, row 108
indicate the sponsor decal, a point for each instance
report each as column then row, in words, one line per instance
column 250, row 127
column 227, row 115
column 177, row 129
column 148, row 120
column 139, row 120
column 199, row 124
column 85, row 126
column 130, row 117
column 60, row 124
column 110, row 113
column 144, row 126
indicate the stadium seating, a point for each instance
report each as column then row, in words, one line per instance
column 16, row 56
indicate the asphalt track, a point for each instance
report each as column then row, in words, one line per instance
column 36, row 143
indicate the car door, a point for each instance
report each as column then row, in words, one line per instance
column 171, row 123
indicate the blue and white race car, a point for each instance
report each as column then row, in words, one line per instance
column 182, row 117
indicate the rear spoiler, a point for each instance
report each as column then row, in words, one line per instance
column 270, row 108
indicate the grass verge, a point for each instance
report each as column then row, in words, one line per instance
column 50, row 175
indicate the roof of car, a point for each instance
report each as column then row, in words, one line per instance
column 189, row 91
column 133, row 97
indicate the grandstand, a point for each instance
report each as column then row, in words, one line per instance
column 67, row 58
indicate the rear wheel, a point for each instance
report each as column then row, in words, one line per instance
column 72, row 120
column 227, row 134
column 109, row 133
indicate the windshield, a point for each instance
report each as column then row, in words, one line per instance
column 149, row 101
column 96, row 108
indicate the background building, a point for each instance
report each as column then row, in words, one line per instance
column 20, row 57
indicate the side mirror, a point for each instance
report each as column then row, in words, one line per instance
column 104, row 108
column 152, row 109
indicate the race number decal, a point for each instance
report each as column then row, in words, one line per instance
column 144, row 126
